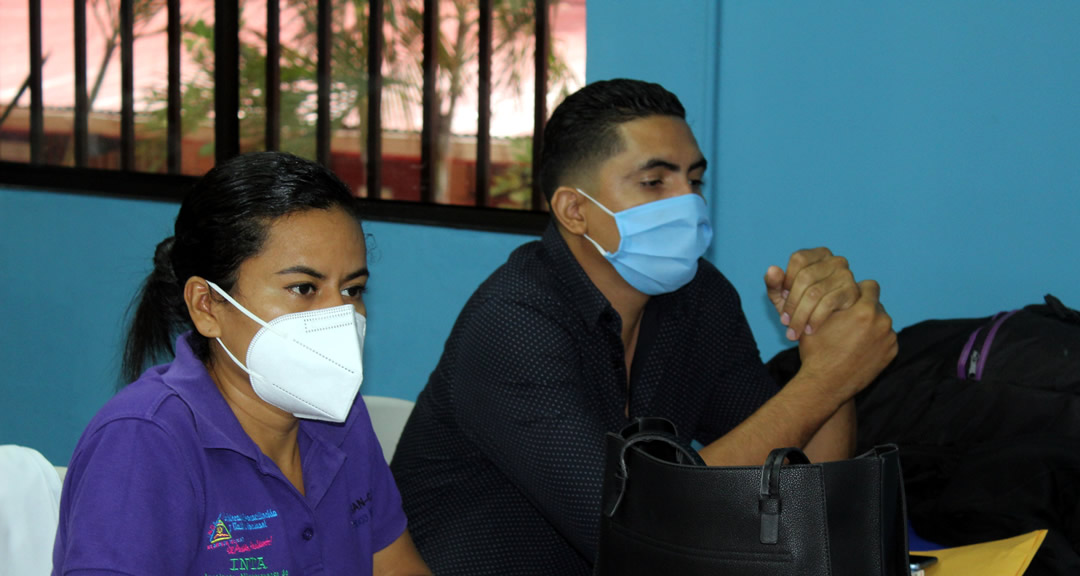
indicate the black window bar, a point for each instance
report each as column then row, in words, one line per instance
column 429, row 135
column 227, row 79
column 322, row 118
column 483, row 114
column 272, row 90
column 127, row 85
column 82, row 102
column 540, row 99
column 374, row 136
column 227, row 105
column 37, row 107
column 173, row 128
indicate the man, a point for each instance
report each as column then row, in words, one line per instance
column 611, row 316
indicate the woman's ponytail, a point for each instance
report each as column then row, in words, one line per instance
column 160, row 314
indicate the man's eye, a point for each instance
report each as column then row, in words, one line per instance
column 697, row 184
column 303, row 289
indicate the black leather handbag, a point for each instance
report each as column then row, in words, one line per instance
column 666, row 512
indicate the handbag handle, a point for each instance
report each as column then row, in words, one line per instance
column 769, row 502
column 643, row 430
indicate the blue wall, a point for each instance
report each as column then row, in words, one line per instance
column 934, row 143
column 937, row 144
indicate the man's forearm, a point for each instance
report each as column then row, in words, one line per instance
column 835, row 440
column 791, row 418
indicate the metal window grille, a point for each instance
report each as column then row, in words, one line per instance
column 171, row 185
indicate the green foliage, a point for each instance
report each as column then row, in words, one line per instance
column 513, row 187
column 513, row 48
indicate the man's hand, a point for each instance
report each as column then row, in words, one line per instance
column 814, row 409
column 847, row 353
column 815, row 285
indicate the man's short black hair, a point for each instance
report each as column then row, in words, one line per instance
column 583, row 130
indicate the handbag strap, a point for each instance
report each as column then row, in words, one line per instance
column 640, row 431
column 769, row 502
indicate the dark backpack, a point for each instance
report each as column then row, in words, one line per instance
column 986, row 412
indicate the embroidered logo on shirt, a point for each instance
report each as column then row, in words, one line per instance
column 219, row 532
column 224, row 532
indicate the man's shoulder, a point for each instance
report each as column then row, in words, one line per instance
column 524, row 309
column 528, row 277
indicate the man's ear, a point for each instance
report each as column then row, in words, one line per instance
column 568, row 208
column 201, row 307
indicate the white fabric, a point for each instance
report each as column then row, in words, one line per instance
column 29, row 511
column 388, row 417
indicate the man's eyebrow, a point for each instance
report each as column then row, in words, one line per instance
column 661, row 163
column 658, row 163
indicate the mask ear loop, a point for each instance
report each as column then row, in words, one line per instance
column 246, row 312
column 235, row 361
column 603, row 252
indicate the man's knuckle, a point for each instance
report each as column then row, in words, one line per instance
column 864, row 312
column 833, row 299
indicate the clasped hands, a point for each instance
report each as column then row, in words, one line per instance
column 845, row 336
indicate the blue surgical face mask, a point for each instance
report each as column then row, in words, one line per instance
column 660, row 242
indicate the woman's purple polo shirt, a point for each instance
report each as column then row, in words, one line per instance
column 165, row 481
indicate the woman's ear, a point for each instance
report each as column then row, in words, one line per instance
column 567, row 207
column 202, row 307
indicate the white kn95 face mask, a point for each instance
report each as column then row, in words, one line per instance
column 306, row 363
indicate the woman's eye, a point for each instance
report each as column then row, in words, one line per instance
column 354, row 292
column 303, row 289
column 697, row 184
column 651, row 183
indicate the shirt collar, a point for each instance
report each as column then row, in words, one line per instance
column 586, row 298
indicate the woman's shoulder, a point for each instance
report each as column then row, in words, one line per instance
column 146, row 403
column 146, row 424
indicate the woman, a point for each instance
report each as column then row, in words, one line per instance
column 251, row 452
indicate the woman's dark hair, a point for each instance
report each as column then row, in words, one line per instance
column 583, row 130
column 222, row 222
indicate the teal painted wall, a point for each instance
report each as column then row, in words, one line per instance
column 934, row 143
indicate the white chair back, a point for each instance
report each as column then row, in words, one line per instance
column 29, row 511
column 388, row 417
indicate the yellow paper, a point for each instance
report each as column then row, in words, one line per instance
column 1009, row 557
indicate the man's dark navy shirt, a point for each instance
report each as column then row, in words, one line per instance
column 501, row 465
